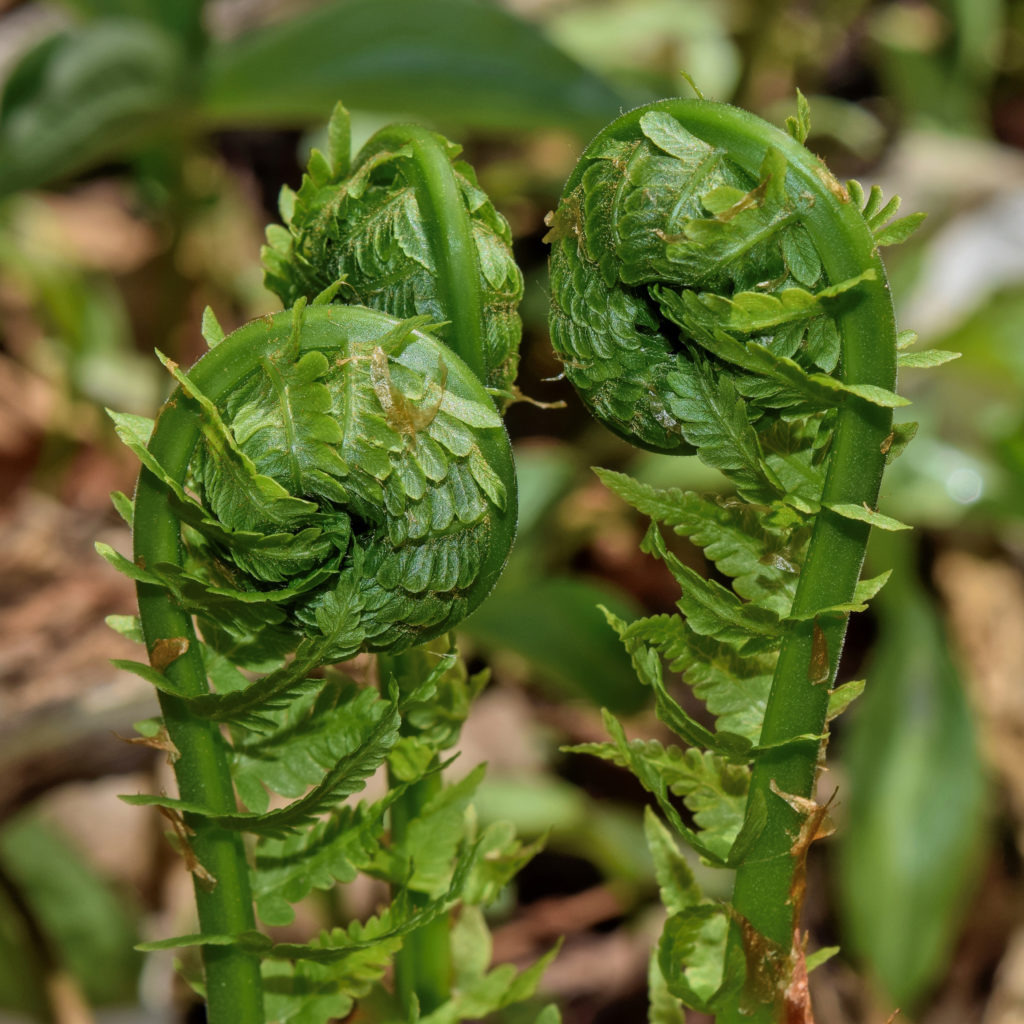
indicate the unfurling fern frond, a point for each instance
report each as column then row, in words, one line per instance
column 715, row 291
column 328, row 481
column 404, row 227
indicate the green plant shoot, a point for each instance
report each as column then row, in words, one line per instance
column 717, row 292
column 327, row 481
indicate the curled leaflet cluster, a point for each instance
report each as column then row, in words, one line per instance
column 665, row 253
column 348, row 482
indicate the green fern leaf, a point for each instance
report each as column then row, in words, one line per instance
column 763, row 562
column 333, row 851
column 698, row 963
column 712, row 610
column 675, row 878
column 313, row 734
column 715, row 422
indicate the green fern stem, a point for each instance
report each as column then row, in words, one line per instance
column 234, row 989
column 446, row 224
column 798, row 700
column 423, row 966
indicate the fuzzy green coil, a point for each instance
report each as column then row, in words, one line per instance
column 660, row 241
column 406, row 229
column 349, row 479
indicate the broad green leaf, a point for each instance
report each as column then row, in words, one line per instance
column 87, row 927
column 911, row 850
column 453, row 61
column 555, row 624
column 87, row 95
column 183, row 19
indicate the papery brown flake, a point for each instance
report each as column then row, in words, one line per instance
column 815, row 825
column 181, row 836
column 766, row 965
column 402, row 416
column 832, row 183
column 797, row 998
column 161, row 741
column 166, row 650
column 818, row 671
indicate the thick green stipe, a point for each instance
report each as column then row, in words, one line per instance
column 715, row 290
column 406, row 229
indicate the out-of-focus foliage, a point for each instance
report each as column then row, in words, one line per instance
column 916, row 817
column 57, row 910
column 132, row 74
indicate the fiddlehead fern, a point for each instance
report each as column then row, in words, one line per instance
column 326, row 481
column 323, row 481
column 716, row 291
column 404, row 228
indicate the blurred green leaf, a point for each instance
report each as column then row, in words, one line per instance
column 22, row 970
column 553, row 620
column 908, row 856
column 86, row 927
column 939, row 59
column 87, row 95
column 183, row 17
column 645, row 45
column 458, row 61
column 611, row 837
column 554, row 623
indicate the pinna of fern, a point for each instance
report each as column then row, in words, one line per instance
column 330, row 480
column 716, row 291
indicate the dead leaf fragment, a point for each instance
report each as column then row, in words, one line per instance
column 816, row 825
column 797, row 998
column 160, row 741
column 167, row 650
column 818, row 670
column 181, row 836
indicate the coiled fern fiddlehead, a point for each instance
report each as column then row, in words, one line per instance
column 324, row 481
column 715, row 290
